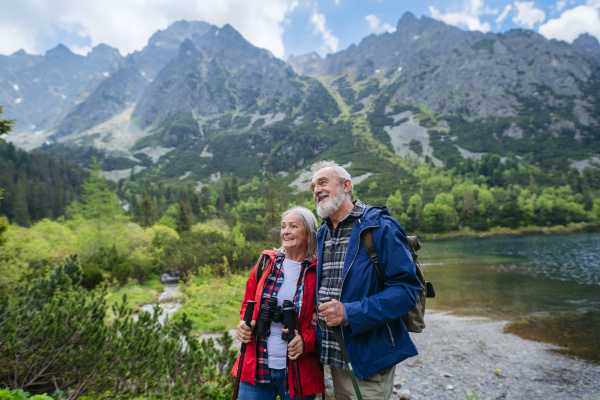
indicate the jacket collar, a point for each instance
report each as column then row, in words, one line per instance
column 370, row 218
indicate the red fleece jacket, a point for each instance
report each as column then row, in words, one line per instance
column 309, row 365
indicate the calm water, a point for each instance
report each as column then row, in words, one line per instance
column 548, row 285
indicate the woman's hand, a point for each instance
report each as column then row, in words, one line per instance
column 243, row 332
column 296, row 346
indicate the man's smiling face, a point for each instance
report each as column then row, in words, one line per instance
column 328, row 193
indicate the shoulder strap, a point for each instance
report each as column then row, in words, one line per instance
column 260, row 266
column 367, row 239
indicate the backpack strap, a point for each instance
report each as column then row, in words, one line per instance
column 367, row 239
column 261, row 264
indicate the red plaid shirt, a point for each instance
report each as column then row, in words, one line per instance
column 271, row 288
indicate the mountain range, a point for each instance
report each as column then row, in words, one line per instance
column 200, row 101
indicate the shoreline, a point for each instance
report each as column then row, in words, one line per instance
column 468, row 233
column 476, row 354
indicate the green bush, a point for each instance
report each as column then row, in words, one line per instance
column 205, row 246
column 116, row 265
column 53, row 335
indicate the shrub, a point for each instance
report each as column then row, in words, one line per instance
column 53, row 336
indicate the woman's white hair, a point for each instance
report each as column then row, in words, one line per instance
column 340, row 172
column 310, row 224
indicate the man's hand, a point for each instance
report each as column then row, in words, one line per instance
column 332, row 312
column 313, row 322
column 243, row 332
column 296, row 346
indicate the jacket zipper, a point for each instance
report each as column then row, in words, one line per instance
column 347, row 272
column 352, row 263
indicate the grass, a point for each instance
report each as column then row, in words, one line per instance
column 137, row 294
column 501, row 231
column 213, row 304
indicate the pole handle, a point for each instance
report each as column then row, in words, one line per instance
column 249, row 312
column 248, row 320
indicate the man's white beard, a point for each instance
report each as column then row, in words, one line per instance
column 334, row 203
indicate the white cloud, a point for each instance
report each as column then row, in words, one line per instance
column 593, row 3
column 527, row 15
column 560, row 5
column 376, row 26
column 318, row 21
column 469, row 16
column 373, row 21
column 572, row 23
column 127, row 25
column 504, row 14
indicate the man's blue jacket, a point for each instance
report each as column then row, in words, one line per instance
column 376, row 337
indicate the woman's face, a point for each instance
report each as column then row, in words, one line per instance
column 293, row 234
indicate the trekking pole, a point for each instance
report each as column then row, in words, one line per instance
column 248, row 319
column 339, row 338
column 288, row 309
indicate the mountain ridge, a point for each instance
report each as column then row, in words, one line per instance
column 203, row 98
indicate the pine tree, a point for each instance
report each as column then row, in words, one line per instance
column 183, row 221
column 54, row 338
column 271, row 202
column 205, row 198
column 235, row 193
column 97, row 200
column 159, row 209
column 5, row 125
column 3, row 224
column 469, row 204
column 21, row 211
column 220, row 204
column 226, row 193
column 195, row 203
column 147, row 213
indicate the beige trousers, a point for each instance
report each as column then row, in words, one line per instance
column 375, row 387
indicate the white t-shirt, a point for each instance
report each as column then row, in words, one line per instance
column 277, row 347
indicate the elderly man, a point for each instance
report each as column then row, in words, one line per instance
column 373, row 331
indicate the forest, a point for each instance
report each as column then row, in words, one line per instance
column 77, row 247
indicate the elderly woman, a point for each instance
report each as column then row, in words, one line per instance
column 288, row 273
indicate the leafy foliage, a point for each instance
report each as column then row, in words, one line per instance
column 53, row 336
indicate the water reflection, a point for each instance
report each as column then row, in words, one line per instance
column 550, row 285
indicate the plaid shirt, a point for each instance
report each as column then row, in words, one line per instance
column 334, row 255
column 272, row 285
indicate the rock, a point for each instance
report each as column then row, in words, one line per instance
column 397, row 385
column 447, row 375
column 168, row 278
column 405, row 394
column 449, row 387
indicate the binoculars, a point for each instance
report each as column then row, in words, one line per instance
column 271, row 312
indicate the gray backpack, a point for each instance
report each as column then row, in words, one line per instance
column 415, row 319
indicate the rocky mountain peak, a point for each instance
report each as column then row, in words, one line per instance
column 103, row 50
column 20, row 53
column 308, row 64
column 587, row 45
column 226, row 42
column 188, row 47
column 407, row 19
column 177, row 32
column 60, row 51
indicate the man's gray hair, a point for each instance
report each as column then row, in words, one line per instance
column 340, row 172
column 310, row 224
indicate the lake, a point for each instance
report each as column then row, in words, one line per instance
column 547, row 286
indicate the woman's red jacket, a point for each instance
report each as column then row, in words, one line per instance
column 309, row 365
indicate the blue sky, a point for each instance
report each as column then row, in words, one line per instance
column 285, row 27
